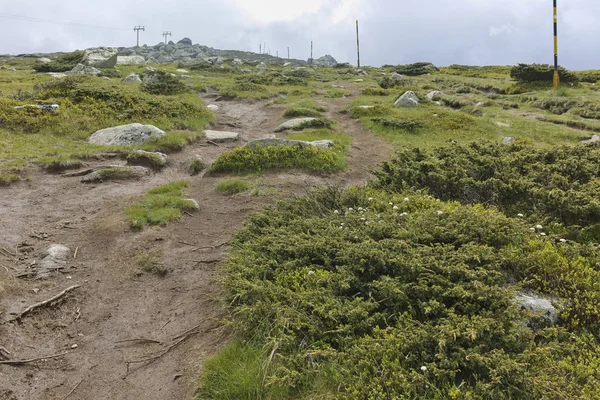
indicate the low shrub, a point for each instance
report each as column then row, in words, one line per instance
column 163, row 83
column 552, row 186
column 296, row 112
column 63, row 63
column 539, row 73
column 233, row 186
column 259, row 159
column 315, row 124
column 374, row 92
column 149, row 262
column 416, row 69
column 401, row 296
column 159, row 206
column 406, row 125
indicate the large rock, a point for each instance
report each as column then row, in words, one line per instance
column 130, row 60
column 222, row 137
column 81, row 69
column 43, row 107
column 325, row 61
column 43, row 60
column 324, row 144
column 126, row 135
column 408, row 99
column 133, row 78
column 100, row 57
column 186, row 41
column 293, row 123
column 397, row 77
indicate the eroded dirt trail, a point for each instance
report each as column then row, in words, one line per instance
column 118, row 317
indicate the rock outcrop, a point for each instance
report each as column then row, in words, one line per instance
column 408, row 99
column 100, row 57
column 293, row 123
column 81, row 69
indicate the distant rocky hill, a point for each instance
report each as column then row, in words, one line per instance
column 186, row 53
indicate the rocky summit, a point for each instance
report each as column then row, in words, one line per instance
column 183, row 52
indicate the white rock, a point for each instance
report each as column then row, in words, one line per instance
column 397, row 77
column 133, row 78
column 130, row 60
column 57, row 75
column 81, row 69
column 222, row 137
column 43, row 107
column 183, row 71
column 100, row 57
column 594, row 139
column 53, row 258
column 44, row 60
column 213, row 107
column 508, row 140
column 126, row 135
column 434, row 93
column 408, row 99
column 503, row 124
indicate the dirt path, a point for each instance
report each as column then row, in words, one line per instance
column 119, row 316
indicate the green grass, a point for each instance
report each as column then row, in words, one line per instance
column 296, row 112
column 149, row 263
column 233, row 186
column 7, row 179
column 159, row 206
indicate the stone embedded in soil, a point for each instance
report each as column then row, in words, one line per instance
column 593, row 139
column 213, row 107
column 55, row 257
column 508, row 140
column 222, row 136
column 293, row 123
column 543, row 305
column 133, row 78
column 194, row 202
column 126, row 135
column 503, row 124
column 151, row 160
column 408, row 99
column 324, row 144
column 434, row 93
column 120, row 173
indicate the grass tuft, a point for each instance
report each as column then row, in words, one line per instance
column 233, row 186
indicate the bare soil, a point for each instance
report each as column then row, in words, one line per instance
column 127, row 334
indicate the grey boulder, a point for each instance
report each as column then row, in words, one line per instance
column 397, row 77
column 324, row 144
column 222, row 137
column 54, row 258
column 100, row 57
column 81, row 69
column 593, row 139
column 126, row 135
column 130, row 60
column 186, row 41
column 293, row 123
column 133, row 78
column 431, row 95
column 541, row 305
column 408, row 99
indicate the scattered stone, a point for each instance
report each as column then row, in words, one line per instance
column 408, row 99
column 366, row 107
column 183, row 71
column 479, row 104
column 154, row 160
column 397, row 77
column 125, row 135
column 2, row 66
column 100, row 57
column 54, row 258
column 43, row 60
column 535, row 302
column 81, row 69
column 593, row 139
column 184, row 76
column 293, row 123
column 12, row 69
column 130, row 60
column 362, row 72
column 324, row 144
column 116, row 173
column 262, row 68
column 287, row 64
column 150, row 69
column 433, row 94
column 186, row 41
column 508, row 140
column 213, row 107
column 359, row 80
column 325, row 61
column 222, row 137
column 133, row 78
column 503, row 124
column 57, row 75
column 43, row 107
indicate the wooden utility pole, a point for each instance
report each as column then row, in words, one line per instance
column 166, row 34
column 556, row 80
column 288, row 52
column 138, row 29
column 357, row 44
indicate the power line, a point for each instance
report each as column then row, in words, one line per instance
column 50, row 21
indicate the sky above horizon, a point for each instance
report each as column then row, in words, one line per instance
column 474, row 32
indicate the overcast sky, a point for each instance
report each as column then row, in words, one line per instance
column 476, row 32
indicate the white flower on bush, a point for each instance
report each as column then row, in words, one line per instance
column 336, row 212
column 311, row 272
column 351, row 209
column 395, row 207
column 423, row 368
column 370, row 199
column 406, row 199
column 563, row 240
column 363, row 219
column 404, row 214
column 520, row 215
column 542, row 234
column 390, row 203
column 539, row 227
column 532, row 229
column 440, row 212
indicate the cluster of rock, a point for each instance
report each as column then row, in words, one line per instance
column 183, row 52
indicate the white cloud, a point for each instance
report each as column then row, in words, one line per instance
column 267, row 11
column 505, row 29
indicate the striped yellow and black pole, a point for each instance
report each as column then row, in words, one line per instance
column 556, row 77
column 357, row 44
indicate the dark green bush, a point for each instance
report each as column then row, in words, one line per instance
column 559, row 185
column 258, row 159
column 386, row 298
column 540, row 73
column 63, row 63
column 374, row 92
column 416, row 69
column 163, row 83
column 591, row 76
column 406, row 125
